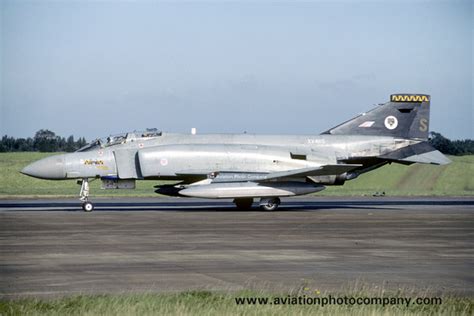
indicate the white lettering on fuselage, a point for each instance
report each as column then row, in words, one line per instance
column 316, row 141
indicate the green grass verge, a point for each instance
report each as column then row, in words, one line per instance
column 453, row 179
column 418, row 179
column 212, row 303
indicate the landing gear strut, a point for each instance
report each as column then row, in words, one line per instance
column 269, row 204
column 87, row 206
column 243, row 203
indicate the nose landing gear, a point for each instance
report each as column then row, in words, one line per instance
column 87, row 205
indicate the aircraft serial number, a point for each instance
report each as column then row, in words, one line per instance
column 316, row 141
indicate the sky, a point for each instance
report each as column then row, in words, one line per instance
column 90, row 68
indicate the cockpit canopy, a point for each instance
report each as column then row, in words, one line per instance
column 123, row 138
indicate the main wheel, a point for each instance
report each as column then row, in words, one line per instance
column 270, row 205
column 243, row 204
column 87, row 206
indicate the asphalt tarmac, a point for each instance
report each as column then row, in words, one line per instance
column 52, row 248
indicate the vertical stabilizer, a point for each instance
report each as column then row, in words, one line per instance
column 405, row 116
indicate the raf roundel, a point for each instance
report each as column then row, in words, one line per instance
column 391, row 122
column 163, row 161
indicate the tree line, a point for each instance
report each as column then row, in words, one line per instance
column 451, row 147
column 43, row 141
column 47, row 141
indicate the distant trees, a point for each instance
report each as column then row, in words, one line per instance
column 70, row 144
column 44, row 141
column 451, row 147
column 47, row 141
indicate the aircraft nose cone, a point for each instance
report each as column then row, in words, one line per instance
column 47, row 168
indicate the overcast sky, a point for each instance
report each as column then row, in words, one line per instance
column 98, row 68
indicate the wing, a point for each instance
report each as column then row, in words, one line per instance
column 230, row 176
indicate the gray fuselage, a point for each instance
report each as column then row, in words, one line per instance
column 177, row 156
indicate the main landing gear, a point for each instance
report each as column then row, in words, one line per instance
column 243, row 203
column 87, row 205
column 267, row 204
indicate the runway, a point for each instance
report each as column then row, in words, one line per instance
column 52, row 248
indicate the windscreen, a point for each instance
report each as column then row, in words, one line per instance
column 123, row 138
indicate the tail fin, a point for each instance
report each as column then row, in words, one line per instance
column 405, row 116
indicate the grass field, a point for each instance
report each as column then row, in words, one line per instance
column 215, row 303
column 417, row 179
column 453, row 179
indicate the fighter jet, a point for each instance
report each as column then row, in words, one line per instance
column 244, row 167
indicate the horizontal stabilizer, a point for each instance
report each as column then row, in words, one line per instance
column 422, row 152
column 433, row 157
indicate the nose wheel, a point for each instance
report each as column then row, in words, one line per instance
column 87, row 205
column 269, row 204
